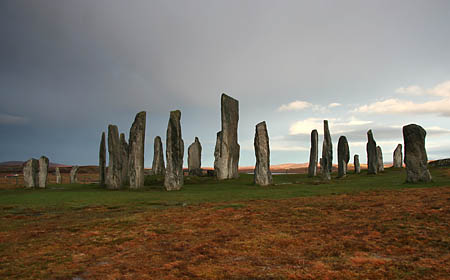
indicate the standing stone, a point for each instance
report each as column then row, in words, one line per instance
column 313, row 154
column 124, row 158
column 136, row 151
column 372, row 159
column 43, row 171
column 102, row 160
column 173, row 180
column 416, row 159
column 114, row 174
column 356, row 164
column 380, row 163
column 30, row 173
column 58, row 176
column 227, row 149
column 398, row 156
column 195, row 158
column 343, row 156
column 158, row 158
column 327, row 153
column 74, row 174
column 262, row 174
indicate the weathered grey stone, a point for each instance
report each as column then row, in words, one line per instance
column 313, row 154
column 43, row 171
column 398, row 157
column 380, row 163
column 74, row 174
column 227, row 148
column 124, row 159
column 58, row 176
column 114, row 174
column 327, row 153
column 102, row 160
column 262, row 174
column 356, row 164
column 173, row 179
column 343, row 156
column 30, row 173
column 136, row 151
column 371, row 148
column 416, row 159
column 195, row 158
column 158, row 167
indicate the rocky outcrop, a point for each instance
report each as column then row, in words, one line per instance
column 30, row 173
column 356, row 164
column 136, row 151
column 416, row 159
column 440, row 163
column 195, row 158
column 327, row 153
column 124, row 159
column 74, row 174
column 398, row 157
column 173, row 179
column 58, row 176
column 227, row 148
column 343, row 156
column 114, row 173
column 380, row 163
column 102, row 160
column 158, row 158
column 43, row 171
column 372, row 159
column 262, row 174
column 313, row 154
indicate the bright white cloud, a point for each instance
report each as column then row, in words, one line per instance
column 338, row 125
column 332, row 105
column 442, row 89
column 295, row 106
column 397, row 106
column 11, row 119
column 411, row 90
column 305, row 126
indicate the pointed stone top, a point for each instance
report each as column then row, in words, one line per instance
column 196, row 139
column 141, row 114
column 228, row 98
column 175, row 114
column 263, row 123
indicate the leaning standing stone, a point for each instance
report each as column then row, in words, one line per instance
column 416, row 159
column 343, row 156
column 313, row 154
column 43, row 171
column 227, row 148
column 58, row 176
column 327, row 153
column 30, row 173
column 356, row 164
column 158, row 167
column 136, row 151
column 102, row 160
column 195, row 158
column 173, row 179
column 371, row 148
column 74, row 174
column 114, row 174
column 380, row 163
column 262, row 174
column 398, row 156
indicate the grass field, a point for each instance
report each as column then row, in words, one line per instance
column 360, row 227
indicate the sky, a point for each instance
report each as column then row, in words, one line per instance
column 70, row 68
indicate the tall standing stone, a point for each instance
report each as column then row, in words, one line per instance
column 313, row 154
column 195, row 158
column 43, row 171
column 158, row 167
column 124, row 159
column 372, row 159
column 327, row 153
column 356, row 164
column 136, row 151
column 102, row 160
column 227, row 149
column 262, row 174
column 398, row 156
column 173, row 179
column 58, row 176
column 416, row 159
column 380, row 163
column 30, row 173
column 343, row 156
column 114, row 174
column 74, row 174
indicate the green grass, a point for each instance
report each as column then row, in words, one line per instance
column 203, row 189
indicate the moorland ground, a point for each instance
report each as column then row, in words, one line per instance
column 360, row 227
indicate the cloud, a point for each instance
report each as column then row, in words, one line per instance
column 442, row 89
column 398, row 106
column 7, row 119
column 337, row 125
column 411, row 90
column 332, row 105
column 295, row 106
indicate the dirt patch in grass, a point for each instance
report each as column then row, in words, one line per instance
column 401, row 234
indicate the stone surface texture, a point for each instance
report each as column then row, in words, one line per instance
column 343, row 156
column 380, row 162
column 74, row 174
column 30, row 173
column 136, row 151
column 416, row 159
column 114, row 174
column 262, row 174
column 356, row 164
column 227, row 149
column 124, row 159
column 371, row 148
column 327, row 153
column 43, row 171
column 195, row 158
column 398, row 157
column 58, row 176
column 102, row 160
column 158, row 167
column 173, row 179
column 313, row 154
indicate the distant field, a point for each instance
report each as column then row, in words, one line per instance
column 360, row 227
